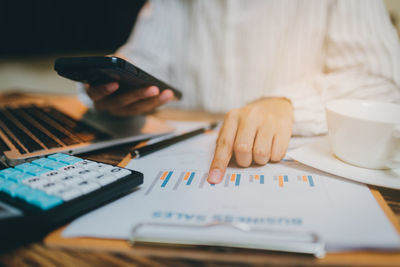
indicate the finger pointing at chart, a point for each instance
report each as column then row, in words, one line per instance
column 258, row 132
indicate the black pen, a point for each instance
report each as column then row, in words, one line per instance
column 143, row 151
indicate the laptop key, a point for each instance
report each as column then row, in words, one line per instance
column 29, row 143
column 31, row 125
column 55, row 128
column 83, row 130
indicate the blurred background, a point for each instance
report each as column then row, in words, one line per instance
column 34, row 33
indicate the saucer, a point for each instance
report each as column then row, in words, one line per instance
column 319, row 156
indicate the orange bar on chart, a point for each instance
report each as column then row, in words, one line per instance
column 281, row 181
column 186, row 176
column 304, row 178
column 257, row 177
column 164, row 175
column 233, row 176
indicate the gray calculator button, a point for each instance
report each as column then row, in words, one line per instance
column 101, row 167
column 87, row 174
column 54, row 175
column 71, row 180
column 71, row 169
column 35, row 182
column 87, row 186
column 104, row 179
column 85, row 164
column 52, row 187
column 68, row 193
column 118, row 172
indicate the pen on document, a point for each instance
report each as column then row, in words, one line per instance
column 143, row 151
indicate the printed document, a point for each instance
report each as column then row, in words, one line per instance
column 286, row 195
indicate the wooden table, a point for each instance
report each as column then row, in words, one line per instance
column 116, row 253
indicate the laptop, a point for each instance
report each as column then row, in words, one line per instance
column 29, row 131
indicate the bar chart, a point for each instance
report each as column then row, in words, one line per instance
column 197, row 179
column 308, row 179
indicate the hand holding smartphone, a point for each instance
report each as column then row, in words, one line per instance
column 116, row 85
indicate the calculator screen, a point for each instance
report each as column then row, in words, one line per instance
column 7, row 211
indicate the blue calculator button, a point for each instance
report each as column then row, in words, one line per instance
column 32, row 169
column 70, row 160
column 18, row 177
column 49, row 163
column 23, row 191
column 7, row 172
column 40, row 162
column 46, row 202
column 5, row 184
column 33, row 194
column 23, row 167
column 10, row 188
column 58, row 156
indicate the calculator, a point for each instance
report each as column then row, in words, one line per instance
column 41, row 195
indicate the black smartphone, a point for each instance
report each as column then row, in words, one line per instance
column 101, row 70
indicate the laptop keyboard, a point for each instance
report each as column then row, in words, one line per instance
column 33, row 128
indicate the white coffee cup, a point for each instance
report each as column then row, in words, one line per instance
column 365, row 133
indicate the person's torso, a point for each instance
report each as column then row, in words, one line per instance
column 229, row 53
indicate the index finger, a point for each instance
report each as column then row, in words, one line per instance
column 223, row 148
column 98, row 92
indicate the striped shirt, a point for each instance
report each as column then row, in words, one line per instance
column 224, row 54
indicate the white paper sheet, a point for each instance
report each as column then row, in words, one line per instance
column 286, row 195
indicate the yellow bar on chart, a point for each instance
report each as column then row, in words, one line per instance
column 233, row 177
column 257, row 177
column 304, row 178
column 186, row 176
column 281, row 181
column 164, row 175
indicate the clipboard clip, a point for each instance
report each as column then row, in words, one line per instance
column 296, row 241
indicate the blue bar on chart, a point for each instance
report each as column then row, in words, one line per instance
column 285, row 178
column 234, row 178
column 165, row 177
column 190, row 179
column 237, row 182
column 259, row 178
column 309, row 179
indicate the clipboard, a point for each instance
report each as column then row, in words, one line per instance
column 296, row 241
column 233, row 255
